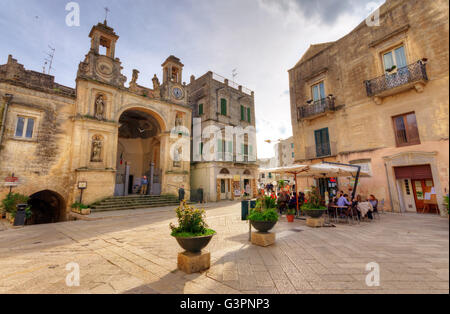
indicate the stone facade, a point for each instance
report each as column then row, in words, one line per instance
column 53, row 137
column 362, row 97
column 219, row 103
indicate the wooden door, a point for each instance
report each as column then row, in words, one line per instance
column 421, row 189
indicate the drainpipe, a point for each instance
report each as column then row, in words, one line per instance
column 389, row 188
column 6, row 101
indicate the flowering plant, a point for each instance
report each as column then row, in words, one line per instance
column 191, row 222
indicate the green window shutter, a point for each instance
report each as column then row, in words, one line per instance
column 200, row 109
column 223, row 107
column 249, row 115
column 323, row 147
column 242, row 113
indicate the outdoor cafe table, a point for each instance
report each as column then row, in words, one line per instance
column 337, row 209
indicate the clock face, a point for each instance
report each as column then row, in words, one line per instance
column 178, row 93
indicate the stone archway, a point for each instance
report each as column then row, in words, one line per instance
column 47, row 207
column 139, row 151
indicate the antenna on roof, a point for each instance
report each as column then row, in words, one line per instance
column 234, row 74
column 49, row 59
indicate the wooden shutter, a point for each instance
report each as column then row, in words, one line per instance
column 249, row 115
column 413, row 131
column 223, row 107
column 242, row 113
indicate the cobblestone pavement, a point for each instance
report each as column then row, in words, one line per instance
column 135, row 254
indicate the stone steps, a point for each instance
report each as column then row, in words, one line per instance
column 134, row 202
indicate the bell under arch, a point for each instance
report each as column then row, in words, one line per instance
column 139, row 152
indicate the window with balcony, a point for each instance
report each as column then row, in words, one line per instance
column 406, row 131
column 323, row 147
column 394, row 60
column 24, row 127
column 318, row 92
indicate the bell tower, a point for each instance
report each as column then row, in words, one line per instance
column 103, row 35
column 172, row 70
column 102, row 66
column 173, row 88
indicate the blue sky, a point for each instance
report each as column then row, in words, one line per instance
column 261, row 38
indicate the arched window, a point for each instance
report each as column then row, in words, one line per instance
column 224, row 171
column 247, row 173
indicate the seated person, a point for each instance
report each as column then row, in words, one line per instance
column 343, row 201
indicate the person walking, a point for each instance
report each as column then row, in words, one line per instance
column 181, row 194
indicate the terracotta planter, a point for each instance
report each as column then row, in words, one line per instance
column 194, row 244
column 315, row 213
column 290, row 218
column 263, row 226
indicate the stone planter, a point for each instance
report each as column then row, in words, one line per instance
column 194, row 244
column 84, row 211
column 315, row 213
column 263, row 226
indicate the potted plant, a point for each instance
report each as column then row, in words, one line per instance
column 313, row 204
column 81, row 209
column 10, row 202
column 264, row 217
column 291, row 214
column 192, row 233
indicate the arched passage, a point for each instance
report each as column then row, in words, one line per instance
column 139, row 152
column 47, row 207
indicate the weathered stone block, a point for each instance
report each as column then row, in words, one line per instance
column 194, row 262
column 315, row 222
column 263, row 239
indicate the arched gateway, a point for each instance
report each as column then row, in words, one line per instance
column 124, row 133
column 139, row 152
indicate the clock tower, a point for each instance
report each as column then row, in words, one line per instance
column 173, row 89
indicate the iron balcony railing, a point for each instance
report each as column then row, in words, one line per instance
column 412, row 73
column 316, row 108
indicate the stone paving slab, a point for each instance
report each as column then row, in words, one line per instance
column 134, row 253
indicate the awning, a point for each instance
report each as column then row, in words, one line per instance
column 322, row 170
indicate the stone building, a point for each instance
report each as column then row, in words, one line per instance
column 102, row 134
column 379, row 98
column 286, row 152
column 219, row 105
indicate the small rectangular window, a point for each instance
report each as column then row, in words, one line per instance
column 223, row 107
column 24, row 127
column 323, row 147
column 242, row 113
column 200, row 109
column 249, row 115
column 406, row 131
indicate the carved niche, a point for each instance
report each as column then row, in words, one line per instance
column 97, row 148
column 100, row 107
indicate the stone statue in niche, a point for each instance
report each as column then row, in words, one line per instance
column 97, row 147
column 178, row 153
column 100, row 108
column 179, row 120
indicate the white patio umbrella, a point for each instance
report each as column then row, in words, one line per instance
column 322, row 170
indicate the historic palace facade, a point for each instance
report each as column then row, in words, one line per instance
column 379, row 98
column 101, row 135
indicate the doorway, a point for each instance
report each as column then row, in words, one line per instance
column 138, row 152
column 46, row 207
column 416, row 184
